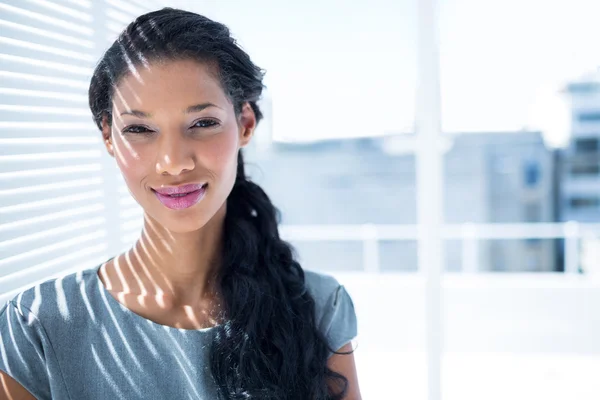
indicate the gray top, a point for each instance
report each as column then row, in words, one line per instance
column 68, row 338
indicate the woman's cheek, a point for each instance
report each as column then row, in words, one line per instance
column 130, row 162
column 221, row 153
column 125, row 152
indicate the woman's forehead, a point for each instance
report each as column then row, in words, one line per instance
column 168, row 84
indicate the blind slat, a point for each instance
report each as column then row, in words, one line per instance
column 130, row 9
column 131, row 212
column 52, row 65
column 118, row 16
column 64, row 155
column 18, row 108
column 62, row 200
column 44, row 94
column 28, row 141
column 60, row 23
column 147, row 5
column 88, row 44
column 87, row 4
column 21, row 279
column 78, row 183
column 85, row 223
column 50, row 171
column 47, row 49
column 82, row 16
column 15, row 76
column 47, row 125
column 4, row 227
column 5, row 262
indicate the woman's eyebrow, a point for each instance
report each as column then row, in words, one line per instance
column 189, row 110
column 199, row 107
column 136, row 113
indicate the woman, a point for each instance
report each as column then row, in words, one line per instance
column 209, row 302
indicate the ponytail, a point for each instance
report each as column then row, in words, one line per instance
column 269, row 346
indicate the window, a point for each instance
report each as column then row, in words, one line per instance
column 585, row 169
column 531, row 173
column 584, row 202
column 533, row 212
column 584, row 87
column 350, row 94
column 589, row 117
column 586, row 145
column 57, row 183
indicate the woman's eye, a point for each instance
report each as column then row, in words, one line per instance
column 205, row 123
column 136, row 129
column 139, row 129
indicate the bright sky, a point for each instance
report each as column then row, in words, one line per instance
column 345, row 68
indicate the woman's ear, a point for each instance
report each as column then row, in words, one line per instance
column 107, row 135
column 247, row 124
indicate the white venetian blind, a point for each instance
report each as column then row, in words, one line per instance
column 63, row 205
column 130, row 219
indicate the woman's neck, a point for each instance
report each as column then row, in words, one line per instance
column 177, row 268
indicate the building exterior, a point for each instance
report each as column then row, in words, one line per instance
column 578, row 172
column 579, row 180
column 503, row 177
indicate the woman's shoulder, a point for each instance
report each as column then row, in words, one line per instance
column 55, row 298
column 334, row 308
column 42, row 325
column 320, row 285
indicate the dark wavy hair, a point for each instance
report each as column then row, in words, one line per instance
column 268, row 346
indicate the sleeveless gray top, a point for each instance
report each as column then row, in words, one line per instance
column 68, row 338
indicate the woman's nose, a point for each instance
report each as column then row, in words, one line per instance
column 174, row 156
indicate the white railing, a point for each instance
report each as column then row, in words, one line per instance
column 470, row 234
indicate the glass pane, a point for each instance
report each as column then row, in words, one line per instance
column 340, row 82
column 521, row 103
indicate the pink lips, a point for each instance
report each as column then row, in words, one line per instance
column 180, row 189
column 181, row 197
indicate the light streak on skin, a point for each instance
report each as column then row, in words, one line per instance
column 141, row 289
column 130, row 65
column 138, row 256
column 121, row 277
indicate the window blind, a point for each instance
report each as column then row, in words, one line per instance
column 63, row 203
column 130, row 218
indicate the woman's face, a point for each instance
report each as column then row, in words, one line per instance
column 173, row 125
